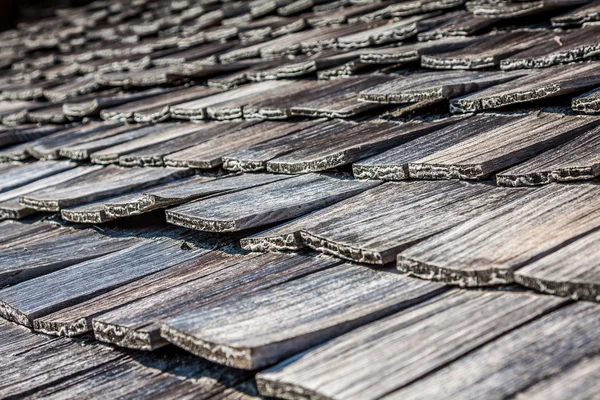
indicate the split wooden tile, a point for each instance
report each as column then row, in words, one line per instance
column 575, row 160
column 488, row 248
column 519, row 360
column 106, row 182
column 495, row 149
column 11, row 208
column 264, row 205
column 24, row 302
column 588, row 103
column 391, row 353
column 434, row 85
column 373, row 227
column 284, row 320
column 487, row 52
column 568, row 47
column 543, row 84
column 137, row 324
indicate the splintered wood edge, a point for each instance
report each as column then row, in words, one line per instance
column 389, row 172
column 222, row 354
column 285, row 390
column 67, row 329
column 240, row 165
column 126, row 337
column 144, row 204
column 13, row 314
column 574, row 290
column 40, row 205
column 537, row 178
column 586, row 105
column 85, row 217
column 462, row 278
column 300, row 167
column 440, row 171
column 267, row 244
column 200, row 224
column 343, row 251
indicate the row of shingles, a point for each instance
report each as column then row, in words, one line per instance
column 37, row 366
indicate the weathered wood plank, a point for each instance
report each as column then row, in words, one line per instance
column 76, row 87
column 481, row 155
column 80, row 282
column 375, row 226
column 39, row 257
column 588, row 103
column 490, row 247
column 461, row 24
column 389, row 354
column 137, row 324
column 543, row 84
column 571, row 271
column 335, row 147
column 575, row 160
column 516, row 361
column 27, row 173
column 588, row 13
column 25, row 133
column 11, row 208
column 434, row 85
column 106, row 182
column 255, row 158
column 488, row 52
column 267, row 204
column 150, row 135
column 278, row 322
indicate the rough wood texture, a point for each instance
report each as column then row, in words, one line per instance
column 516, row 361
column 490, row 247
column 587, row 13
column 575, row 160
column 487, row 52
column 490, row 151
column 547, row 83
column 11, row 208
column 564, row 48
column 27, row 173
column 39, row 257
column 588, row 103
column 25, row 133
column 137, row 324
column 106, row 182
column 461, row 24
column 571, row 271
column 389, row 354
column 377, row 225
column 434, row 85
column 276, row 323
column 71, row 285
column 263, row 205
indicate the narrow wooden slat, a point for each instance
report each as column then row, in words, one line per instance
column 284, row 237
column 389, row 354
column 547, row 83
column 336, row 147
column 487, row 52
column 516, row 361
column 71, row 285
column 462, row 24
column 20, row 263
column 490, row 247
column 495, row 149
column 137, row 324
column 26, row 133
column 278, row 322
column 589, row 12
column 375, row 226
column 263, row 205
column 573, row 161
column 27, row 173
column 132, row 79
column 434, row 85
column 76, row 87
column 11, row 208
column 106, row 182
column 588, row 103
column 51, row 114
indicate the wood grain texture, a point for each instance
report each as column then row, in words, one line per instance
column 137, row 324
column 376, row 225
column 106, row 182
column 490, row 247
column 460, row 25
column 587, row 103
column 517, row 360
column 266, row 204
column 481, row 155
column 572, row 161
column 571, row 271
column 547, row 83
column 11, row 208
column 587, row 13
column 391, row 353
column 276, row 323
column 71, row 285
column 488, row 52
column 25, row 133
column 27, row 173
column 434, row 85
